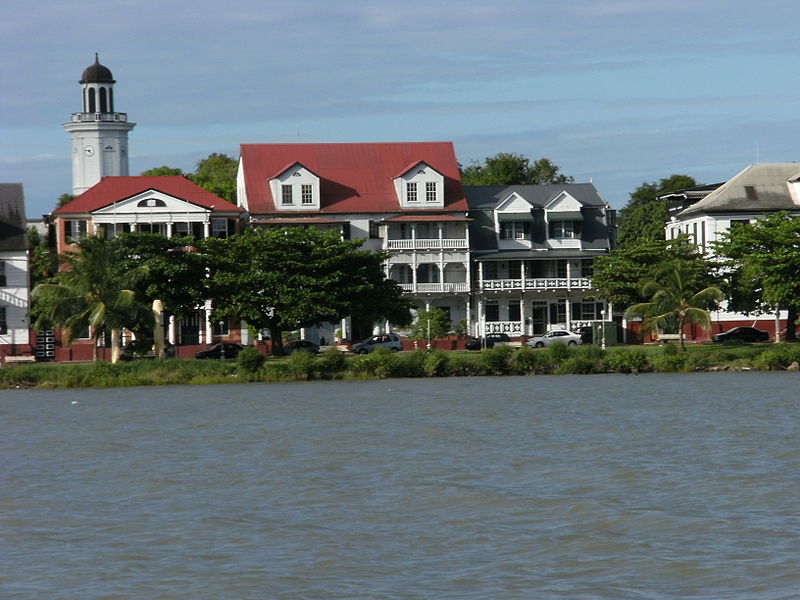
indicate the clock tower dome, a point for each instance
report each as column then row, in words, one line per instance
column 99, row 134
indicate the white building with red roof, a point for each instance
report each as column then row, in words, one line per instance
column 402, row 198
column 170, row 205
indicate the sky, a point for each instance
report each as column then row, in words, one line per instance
column 616, row 92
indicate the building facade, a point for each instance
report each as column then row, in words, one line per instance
column 533, row 248
column 172, row 206
column 757, row 191
column 404, row 199
column 14, row 273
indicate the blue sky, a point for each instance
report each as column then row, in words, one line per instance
column 617, row 92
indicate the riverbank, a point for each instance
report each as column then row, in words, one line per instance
column 332, row 365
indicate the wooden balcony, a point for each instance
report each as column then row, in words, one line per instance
column 426, row 244
column 459, row 287
column 538, row 283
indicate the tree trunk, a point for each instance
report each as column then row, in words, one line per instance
column 114, row 346
column 276, row 337
column 791, row 324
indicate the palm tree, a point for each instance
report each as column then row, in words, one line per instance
column 89, row 293
column 672, row 299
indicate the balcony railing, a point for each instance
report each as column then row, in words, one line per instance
column 538, row 283
column 425, row 244
column 92, row 117
column 435, row 287
column 509, row 327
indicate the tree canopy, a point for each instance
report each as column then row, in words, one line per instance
column 215, row 173
column 675, row 299
column 622, row 273
column 762, row 260
column 90, row 293
column 430, row 325
column 512, row 169
column 285, row 279
column 644, row 216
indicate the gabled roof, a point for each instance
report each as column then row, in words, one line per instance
column 12, row 217
column 354, row 178
column 757, row 188
column 486, row 197
column 113, row 189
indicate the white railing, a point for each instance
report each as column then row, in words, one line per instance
column 435, row 287
column 425, row 244
column 538, row 283
column 98, row 116
column 509, row 327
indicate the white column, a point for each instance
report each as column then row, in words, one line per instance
column 480, row 275
column 207, row 313
column 468, row 313
column 169, row 229
column 481, row 316
column 302, row 333
column 523, row 326
column 207, row 229
column 171, row 330
column 522, row 273
column 568, row 309
column 245, row 333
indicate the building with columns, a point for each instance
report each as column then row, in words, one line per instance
column 170, row 205
column 99, row 133
column 14, row 278
column 533, row 247
column 404, row 199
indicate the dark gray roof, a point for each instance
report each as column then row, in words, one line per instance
column 97, row 73
column 487, row 196
column 12, row 217
column 482, row 199
column 535, row 254
column 758, row 188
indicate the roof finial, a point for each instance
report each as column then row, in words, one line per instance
column 96, row 59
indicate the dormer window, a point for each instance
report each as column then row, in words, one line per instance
column 420, row 186
column 563, row 229
column 296, row 188
column 411, row 191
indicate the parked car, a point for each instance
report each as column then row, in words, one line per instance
column 383, row 340
column 231, row 350
column 144, row 348
column 557, row 335
column 487, row 342
column 586, row 333
column 745, row 334
column 300, row 346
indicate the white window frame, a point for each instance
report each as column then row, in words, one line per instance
column 411, row 192
column 287, row 193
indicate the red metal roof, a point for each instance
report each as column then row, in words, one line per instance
column 115, row 189
column 421, row 218
column 354, row 178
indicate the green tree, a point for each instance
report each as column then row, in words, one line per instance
column 673, row 299
column 162, row 170
column 285, row 279
column 621, row 274
column 217, row 174
column 89, row 293
column 64, row 199
column 763, row 262
column 430, row 325
column 43, row 261
column 644, row 216
column 512, row 169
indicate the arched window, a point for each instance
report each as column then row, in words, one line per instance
column 103, row 101
column 151, row 202
column 427, row 273
column 92, row 103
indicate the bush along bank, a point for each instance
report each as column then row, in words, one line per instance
column 558, row 359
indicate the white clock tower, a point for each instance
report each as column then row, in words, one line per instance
column 99, row 135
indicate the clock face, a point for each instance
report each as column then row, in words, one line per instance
column 88, row 150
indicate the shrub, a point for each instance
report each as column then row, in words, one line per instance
column 301, row 365
column 668, row 363
column 559, row 352
column 435, row 363
column 669, row 349
column 627, row 360
column 577, row 365
column 497, row 360
column 528, row 360
column 462, row 364
column 250, row 360
column 332, row 362
column 775, row 359
column 380, row 363
column 410, row 364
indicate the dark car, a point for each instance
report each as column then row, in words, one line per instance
column 488, row 342
column 144, row 348
column 300, row 346
column 745, row 334
column 586, row 333
column 220, row 351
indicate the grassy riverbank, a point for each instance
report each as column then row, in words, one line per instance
column 558, row 359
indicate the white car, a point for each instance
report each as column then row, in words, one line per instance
column 557, row 335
